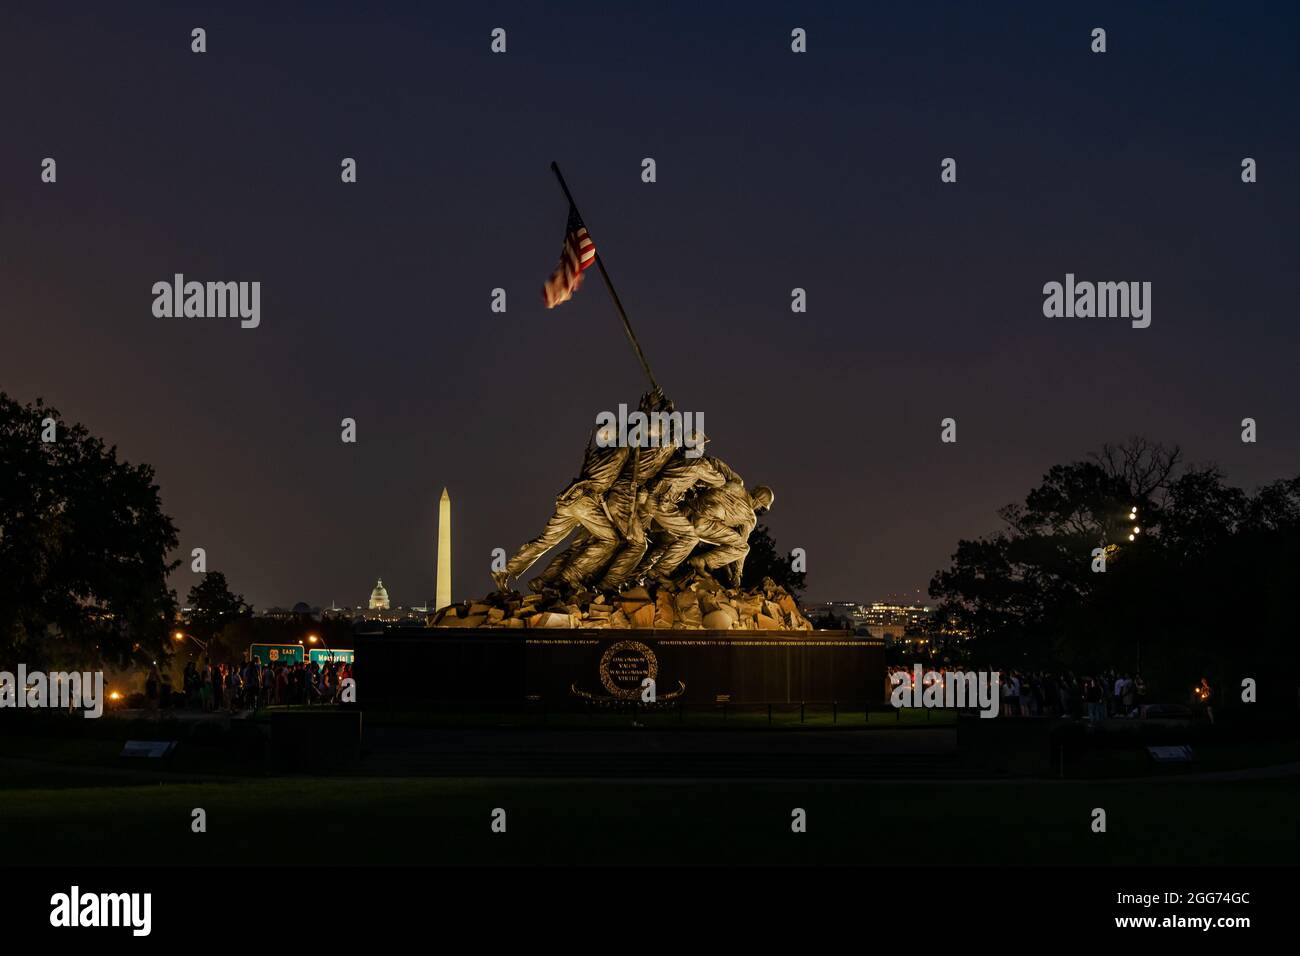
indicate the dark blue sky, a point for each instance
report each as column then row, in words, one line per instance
column 775, row 170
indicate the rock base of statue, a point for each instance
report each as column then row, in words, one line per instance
column 695, row 601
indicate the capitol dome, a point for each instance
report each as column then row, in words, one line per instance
column 379, row 597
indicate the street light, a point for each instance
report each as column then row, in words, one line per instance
column 313, row 638
column 1133, row 517
column 181, row 635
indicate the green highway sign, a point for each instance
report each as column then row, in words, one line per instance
column 276, row 653
column 324, row 656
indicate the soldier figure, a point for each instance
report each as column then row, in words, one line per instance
column 585, row 557
column 678, row 536
column 724, row 518
column 643, row 511
column 582, row 503
column 644, row 465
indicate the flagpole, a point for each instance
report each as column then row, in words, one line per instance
column 618, row 304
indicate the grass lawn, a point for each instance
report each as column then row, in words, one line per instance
column 1210, row 757
column 784, row 717
column 447, row 821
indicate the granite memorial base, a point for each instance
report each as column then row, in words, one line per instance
column 576, row 669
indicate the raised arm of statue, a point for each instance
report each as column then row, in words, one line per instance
column 728, row 473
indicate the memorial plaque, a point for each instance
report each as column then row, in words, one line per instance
column 624, row 666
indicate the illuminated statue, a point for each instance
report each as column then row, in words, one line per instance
column 638, row 512
column 658, row 531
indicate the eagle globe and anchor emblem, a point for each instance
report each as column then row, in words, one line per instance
column 624, row 668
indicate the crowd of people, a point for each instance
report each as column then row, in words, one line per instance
column 1093, row 697
column 248, row 686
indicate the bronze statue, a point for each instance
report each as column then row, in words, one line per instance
column 640, row 512
column 724, row 519
column 582, row 503
column 653, row 525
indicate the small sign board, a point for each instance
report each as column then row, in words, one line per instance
column 324, row 655
column 148, row 748
column 1182, row 753
column 276, row 653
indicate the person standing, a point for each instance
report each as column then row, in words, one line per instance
column 1094, row 695
column 1051, row 696
column 234, row 688
column 1204, row 694
column 190, row 684
column 152, row 684
column 251, row 685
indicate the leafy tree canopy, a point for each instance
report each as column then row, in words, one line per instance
column 212, row 606
column 83, row 546
column 764, row 561
column 1207, row 560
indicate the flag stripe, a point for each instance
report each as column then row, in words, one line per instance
column 576, row 255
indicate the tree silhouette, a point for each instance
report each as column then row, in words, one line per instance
column 83, row 546
column 213, row 606
column 1206, row 558
column 764, row 561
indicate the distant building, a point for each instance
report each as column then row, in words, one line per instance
column 336, row 613
column 893, row 621
column 847, row 614
column 391, row 615
column 298, row 612
column 379, row 609
column 879, row 619
column 388, row 615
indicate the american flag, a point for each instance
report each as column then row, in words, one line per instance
column 579, row 252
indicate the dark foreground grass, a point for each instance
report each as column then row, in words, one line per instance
column 786, row 717
column 427, row 821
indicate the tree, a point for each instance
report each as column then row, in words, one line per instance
column 1204, row 556
column 83, row 546
column 213, row 606
column 764, row 561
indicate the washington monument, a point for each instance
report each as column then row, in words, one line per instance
column 443, row 593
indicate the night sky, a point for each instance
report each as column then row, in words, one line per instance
column 775, row 170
